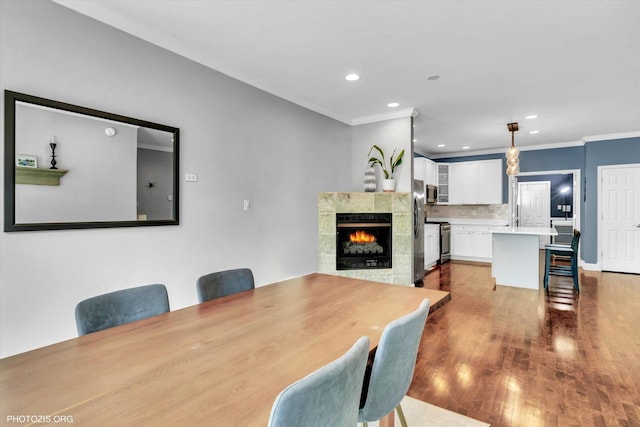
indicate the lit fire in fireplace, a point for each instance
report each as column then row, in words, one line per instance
column 362, row 237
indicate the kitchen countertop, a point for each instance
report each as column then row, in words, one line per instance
column 470, row 221
column 538, row 231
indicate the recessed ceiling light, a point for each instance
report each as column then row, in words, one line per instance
column 441, row 145
column 352, row 77
column 466, row 147
column 531, row 116
column 433, row 77
column 533, row 132
column 392, row 104
column 415, row 140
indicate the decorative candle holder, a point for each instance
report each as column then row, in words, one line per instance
column 53, row 155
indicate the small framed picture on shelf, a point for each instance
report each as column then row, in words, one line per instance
column 25, row 161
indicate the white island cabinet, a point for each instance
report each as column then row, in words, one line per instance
column 516, row 255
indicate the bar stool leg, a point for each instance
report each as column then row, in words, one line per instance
column 574, row 271
column 547, row 263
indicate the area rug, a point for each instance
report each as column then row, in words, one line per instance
column 422, row 414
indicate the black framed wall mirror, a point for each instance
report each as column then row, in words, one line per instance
column 69, row 167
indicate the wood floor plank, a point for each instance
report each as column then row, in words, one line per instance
column 519, row 357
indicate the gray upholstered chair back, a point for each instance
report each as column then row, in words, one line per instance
column 120, row 307
column 393, row 365
column 223, row 283
column 327, row 397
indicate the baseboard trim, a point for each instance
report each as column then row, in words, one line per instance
column 590, row 267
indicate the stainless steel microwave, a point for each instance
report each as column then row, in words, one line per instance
column 431, row 194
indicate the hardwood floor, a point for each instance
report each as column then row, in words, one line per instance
column 518, row 357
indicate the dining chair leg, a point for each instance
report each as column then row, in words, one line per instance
column 403, row 421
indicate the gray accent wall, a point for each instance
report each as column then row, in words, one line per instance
column 243, row 143
column 601, row 153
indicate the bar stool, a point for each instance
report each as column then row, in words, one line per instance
column 569, row 253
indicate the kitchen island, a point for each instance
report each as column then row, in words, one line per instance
column 516, row 253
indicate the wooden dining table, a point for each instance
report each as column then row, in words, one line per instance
column 219, row 363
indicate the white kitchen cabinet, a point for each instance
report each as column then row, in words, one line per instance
column 431, row 244
column 490, row 181
column 463, row 183
column 431, row 173
column 425, row 170
column 462, row 241
column 419, row 168
column 471, row 242
column 476, row 182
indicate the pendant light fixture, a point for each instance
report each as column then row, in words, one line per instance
column 513, row 163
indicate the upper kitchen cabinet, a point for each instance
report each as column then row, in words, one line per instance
column 425, row 170
column 419, row 168
column 443, row 182
column 489, row 181
column 475, row 183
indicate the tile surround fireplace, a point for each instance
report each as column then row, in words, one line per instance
column 400, row 208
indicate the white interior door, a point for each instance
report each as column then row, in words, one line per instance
column 620, row 218
column 533, row 206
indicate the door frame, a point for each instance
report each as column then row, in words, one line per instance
column 577, row 193
column 601, row 169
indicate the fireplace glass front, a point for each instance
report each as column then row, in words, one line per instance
column 363, row 241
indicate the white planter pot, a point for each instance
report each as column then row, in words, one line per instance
column 388, row 185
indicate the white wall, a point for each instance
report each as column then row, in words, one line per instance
column 242, row 143
column 388, row 135
column 101, row 182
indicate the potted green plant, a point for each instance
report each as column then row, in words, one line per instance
column 389, row 182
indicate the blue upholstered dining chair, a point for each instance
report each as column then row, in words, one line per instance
column 120, row 307
column 326, row 397
column 223, row 283
column 388, row 378
column 565, row 252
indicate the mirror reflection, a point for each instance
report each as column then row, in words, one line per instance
column 79, row 168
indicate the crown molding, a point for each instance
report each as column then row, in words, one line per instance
column 610, row 136
column 407, row 112
column 583, row 141
column 468, row 153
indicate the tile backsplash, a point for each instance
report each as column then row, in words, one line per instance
column 468, row 211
